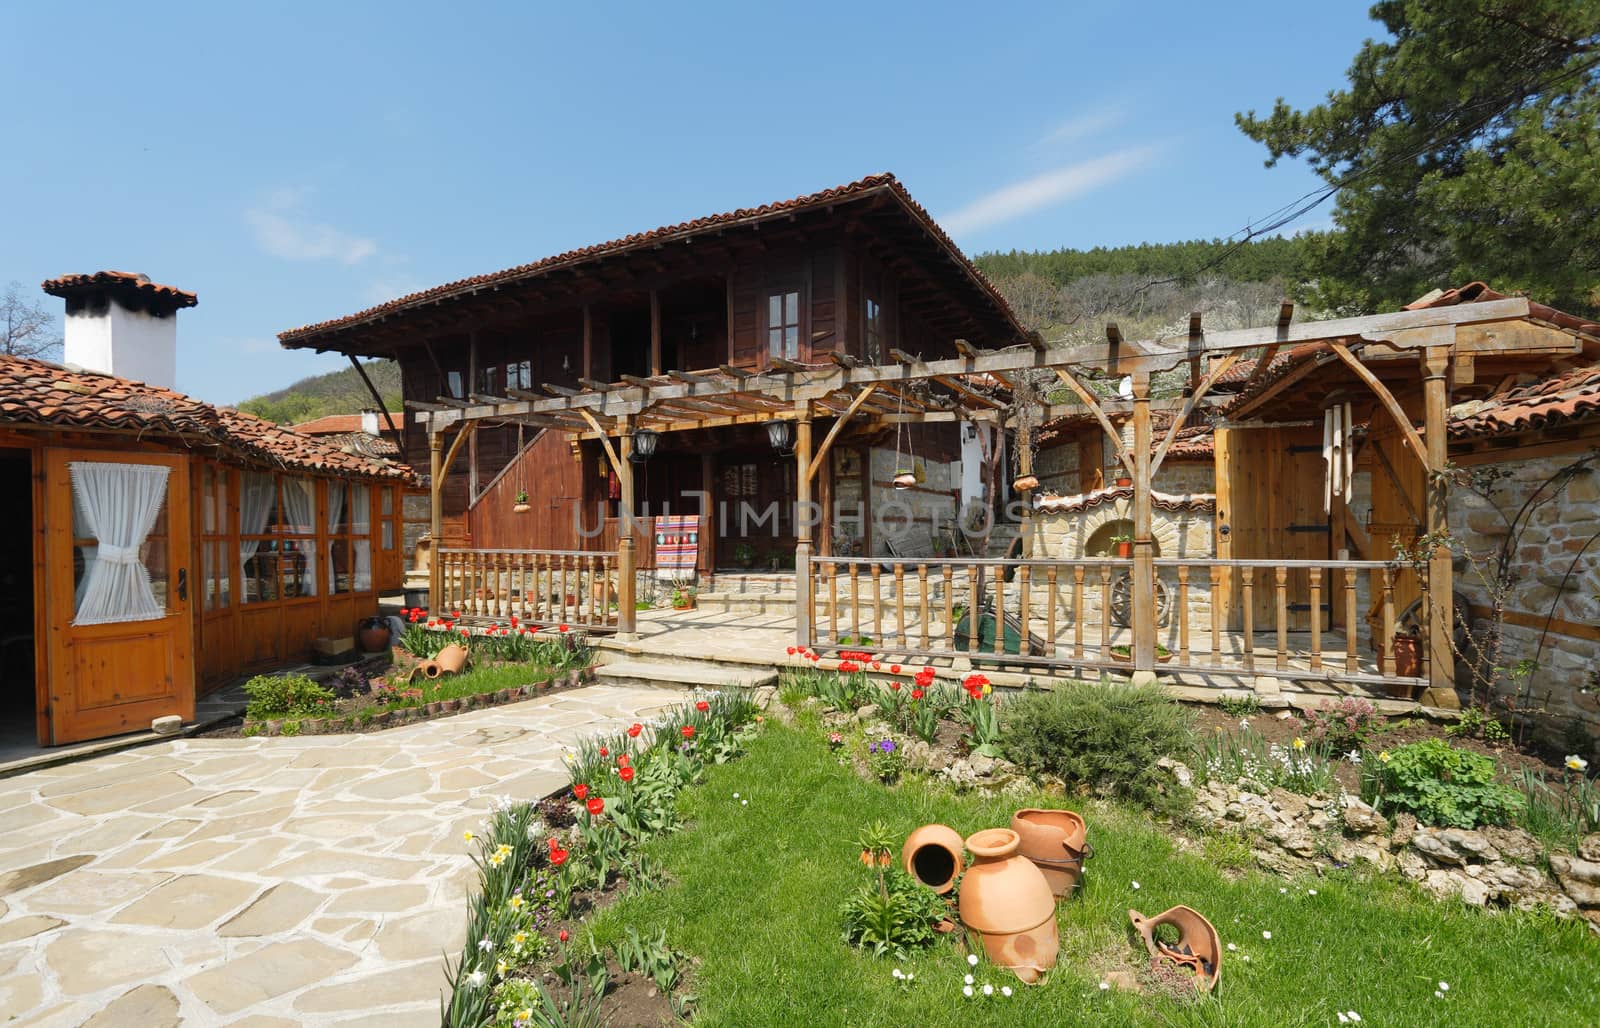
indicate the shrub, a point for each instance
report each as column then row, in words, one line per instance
column 1345, row 724
column 1477, row 723
column 1442, row 786
column 1105, row 738
column 893, row 917
column 276, row 696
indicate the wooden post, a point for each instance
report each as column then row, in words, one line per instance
column 627, row 616
column 1143, row 615
column 655, row 332
column 1441, row 691
column 436, row 519
column 804, row 606
column 588, row 343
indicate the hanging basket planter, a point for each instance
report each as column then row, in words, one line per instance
column 905, row 478
column 521, row 506
column 1025, row 483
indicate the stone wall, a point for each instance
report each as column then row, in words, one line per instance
column 910, row 516
column 1551, row 542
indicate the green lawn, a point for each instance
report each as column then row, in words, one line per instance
column 757, row 892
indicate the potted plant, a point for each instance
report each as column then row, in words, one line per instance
column 1124, row 544
column 1124, row 654
column 1407, row 654
column 683, row 597
column 744, row 554
column 1025, row 483
column 905, row 478
column 521, row 505
column 374, row 634
column 1121, row 479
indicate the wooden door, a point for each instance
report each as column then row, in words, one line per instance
column 1269, row 499
column 755, row 495
column 110, row 678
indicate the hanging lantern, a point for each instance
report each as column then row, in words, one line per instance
column 780, row 434
column 644, row 445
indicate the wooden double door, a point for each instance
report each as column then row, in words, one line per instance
column 754, row 494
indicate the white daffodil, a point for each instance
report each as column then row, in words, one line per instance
column 1354, row 756
column 486, row 944
column 476, row 979
column 1576, row 763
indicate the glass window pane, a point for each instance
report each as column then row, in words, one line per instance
column 360, row 508
column 153, row 555
column 297, row 567
column 387, row 498
column 453, row 384
column 339, row 565
column 208, row 499
column 775, row 342
column 338, row 509
column 388, row 534
column 791, row 342
column 361, row 564
column 299, row 506
column 774, row 311
column 791, row 308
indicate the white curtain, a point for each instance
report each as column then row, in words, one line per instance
column 336, row 522
column 361, row 546
column 119, row 505
column 300, row 505
column 255, row 509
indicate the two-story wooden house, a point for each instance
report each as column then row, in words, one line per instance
column 855, row 274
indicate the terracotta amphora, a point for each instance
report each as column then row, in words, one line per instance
column 1057, row 843
column 932, row 855
column 1197, row 951
column 1005, row 899
column 451, row 659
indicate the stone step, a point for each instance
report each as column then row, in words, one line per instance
column 746, row 603
column 686, row 673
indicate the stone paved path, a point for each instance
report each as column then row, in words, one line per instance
column 267, row 882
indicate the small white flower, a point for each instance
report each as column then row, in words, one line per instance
column 1266, row 935
column 735, row 795
column 972, row 960
column 1343, row 1019
column 1232, row 948
column 486, row 944
column 1244, row 723
column 967, row 979
column 1354, row 756
column 744, row 803
column 1281, row 889
column 476, row 979
column 1444, row 986
column 966, row 990
column 988, row 990
column 1355, row 1018
column 1104, row 986
column 1136, row 886
column 910, row 975
column 1245, row 957
column 1437, row 994
column 897, row 973
column 1311, row 892
column 1005, row 990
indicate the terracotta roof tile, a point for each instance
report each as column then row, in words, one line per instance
column 1175, row 502
column 36, row 392
column 1570, row 396
column 330, row 424
column 1480, row 292
column 130, row 281
column 854, row 190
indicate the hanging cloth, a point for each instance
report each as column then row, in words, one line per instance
column 119, row 505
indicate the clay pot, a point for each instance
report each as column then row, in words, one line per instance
column 374, row 635
column 1056, row 841
column 520, row 508
column 1124, row 549
column 1123, row 481
column 450, row 660
column 1407, row 656
column 905, row 479
column 1024, row 483
column 1198, row 949
column 932, row 855
column 1006, row 900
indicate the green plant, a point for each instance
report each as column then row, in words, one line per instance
column 885, row 760
column 1476, row 722
column 1559, row 817
column 1442, row 786
column 651, row 957
column 1103, row 738
column 522, row 496
column 892, row 916
column 982, row 714
column 276, row 696
column 1245, row 756
column 1347, row 723
column 744, row 553
column 1239, row 705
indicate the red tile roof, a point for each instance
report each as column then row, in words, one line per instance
column 886, row 183
column 1566, row 397
column 42, row 393
column 1480, row 292
column 1174, row 502
column 128, row 282
column 330, row 424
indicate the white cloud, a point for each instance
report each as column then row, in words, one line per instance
column 282, row 229
column 1046, row 190
column 1083, row 125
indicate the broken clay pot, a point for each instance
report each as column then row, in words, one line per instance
column 1198, row 949
column 1056, row 841
column 1006, row 900
column 932, row 855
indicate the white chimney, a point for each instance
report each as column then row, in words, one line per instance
column 122, row 324
column 369, row 421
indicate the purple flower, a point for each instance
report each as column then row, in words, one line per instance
column 886, row 745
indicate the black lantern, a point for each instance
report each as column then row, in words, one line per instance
column 644, row 445
column 781, row 435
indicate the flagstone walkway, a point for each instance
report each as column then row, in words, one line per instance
column 258, row 882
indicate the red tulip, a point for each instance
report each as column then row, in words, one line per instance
column 604, row 752
column 455, row 613
column 916, row 694
column 894, row 669
column 624, row 760
column 634, row 730
column 596, row 804
column 580, row 791
column 558, row 857
column 895, row 686
column 564, row 628
column 702, row 706
column 562, row 935
column 514, row 621
column 626, row 773
column 688, row 731
column 791, row 651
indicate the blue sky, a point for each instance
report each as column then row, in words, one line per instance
column 296, row 162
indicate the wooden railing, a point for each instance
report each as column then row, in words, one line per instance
column 1078, row 614
column 545, row 587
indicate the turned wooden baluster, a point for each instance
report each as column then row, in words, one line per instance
column 1077, row 611
column 1022, row 610
column 1283, row 618
column 1352, row 655
column 833, row 600
column 900, row 599
column 1182, row 612
column 855, row 601
column 1386, row 644
column 949, row 608
column 1105, row 612
column 1247, row 588
column 999, row 609
column 1050, row 606
column 972, row 610
column 1216, row 616
column 877, row 605
column 566, row 587
column 922, row 601
column 1316, row 618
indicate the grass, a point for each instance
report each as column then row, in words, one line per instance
column 488, row 678
column 758, row 888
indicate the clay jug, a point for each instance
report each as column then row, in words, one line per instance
column 1198, row 950
column 374, row 634
column 451, row 659
column 1057, row 842
column 932, row 855
column 1006, row 900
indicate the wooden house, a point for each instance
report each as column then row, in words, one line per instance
column 166, row 545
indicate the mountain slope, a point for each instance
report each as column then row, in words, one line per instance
column 337, row 392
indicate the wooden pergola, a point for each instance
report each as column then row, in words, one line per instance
column 1444, row 341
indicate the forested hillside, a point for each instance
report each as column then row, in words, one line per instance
column 337, row 392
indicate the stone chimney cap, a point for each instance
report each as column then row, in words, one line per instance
column 132, row 290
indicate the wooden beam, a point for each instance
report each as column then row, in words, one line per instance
column 966, row 349
column 692, row 378
column 1386, row 398
column 605, row 441
column 655, row 332
column 588, row 343
column 1189, row 404
column 1285, row 314
column 372, row 390
column 833, row 433
column 1093, row 403
column 594, row 383
column 637, row 382
column 557, row 390
column 1441, row 574
column 957, row 385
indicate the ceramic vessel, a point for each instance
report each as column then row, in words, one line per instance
column 1007, row 901
column 1025, row 482
column 451, row 659
column 904, row 479
column 520, row 508
column 1056, row 841
column 1197, row 951
column 932, row 855
column 1407, row 656
column 374, row 635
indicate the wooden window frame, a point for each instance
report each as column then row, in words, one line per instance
column 348, row 535
column 802, row 349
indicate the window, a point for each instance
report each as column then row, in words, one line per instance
column 349, row 537
column 277, row 537
column 387, row 528
column 454, row 385
column 519, row 375
column 218, row 584
column 119, row 530
column 874, row 332
column 783, row 324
